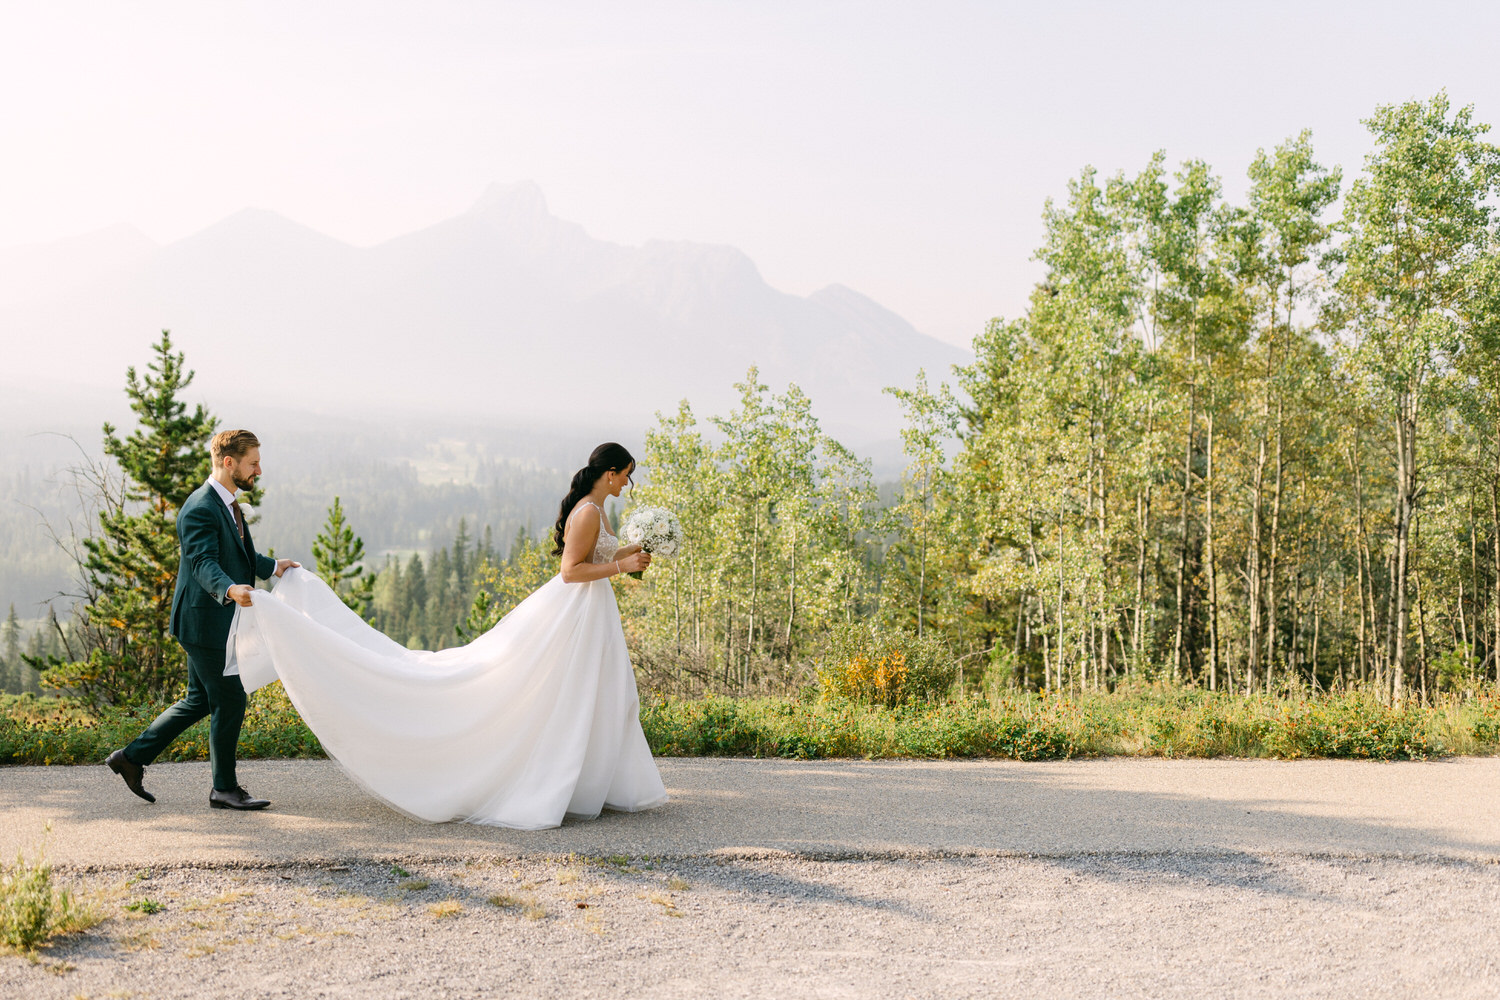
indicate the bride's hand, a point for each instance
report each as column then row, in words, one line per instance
column 626, row 550
column 635, row 562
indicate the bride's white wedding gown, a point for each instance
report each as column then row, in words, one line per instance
column 535, row 720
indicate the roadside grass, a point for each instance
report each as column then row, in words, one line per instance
column 1157, row 721
column 34, row 911
column 58, row 731
column 446, row 908
column 1151, row 721
column 526, row 906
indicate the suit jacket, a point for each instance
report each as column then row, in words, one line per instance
column 212, row 560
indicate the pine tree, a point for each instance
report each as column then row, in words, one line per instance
column 338, row 557
column 130, row 567
column 461, row 567
column 389, row 595
column 439, row 592
column 36, row 653
column 414, row 601
column 11, row 667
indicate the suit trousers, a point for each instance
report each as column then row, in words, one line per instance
column 209, row 693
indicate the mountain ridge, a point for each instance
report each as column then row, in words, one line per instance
column 505, row 309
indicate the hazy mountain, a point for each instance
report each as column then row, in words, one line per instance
column 505, row 311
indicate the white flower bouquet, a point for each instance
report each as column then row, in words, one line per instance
column 654, row 529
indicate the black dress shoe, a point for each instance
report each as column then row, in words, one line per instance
column 235, row 798
column 130, row 771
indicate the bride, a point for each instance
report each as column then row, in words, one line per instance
column 533, row 721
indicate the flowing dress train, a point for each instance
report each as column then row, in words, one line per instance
column 535, row 720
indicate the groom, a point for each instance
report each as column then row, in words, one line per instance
column 218, row 569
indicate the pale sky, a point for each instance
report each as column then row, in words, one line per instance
column 902, row 149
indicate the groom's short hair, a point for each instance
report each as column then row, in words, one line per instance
column 232, row 443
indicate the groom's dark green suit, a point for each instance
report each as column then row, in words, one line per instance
column 214, row 558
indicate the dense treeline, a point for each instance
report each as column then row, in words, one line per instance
column 423, row 603
column 1245, row 444
column 1249, row 446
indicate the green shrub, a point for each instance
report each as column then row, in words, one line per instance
column 1352, row 727
column 864, row 663
column 767, row 727
column 56, row 731
column 713, row 727
column 33, row 910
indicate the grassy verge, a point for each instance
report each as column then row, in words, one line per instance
column 1156, row 722
column 49, row 731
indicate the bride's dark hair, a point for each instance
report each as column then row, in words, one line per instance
column 608, row 457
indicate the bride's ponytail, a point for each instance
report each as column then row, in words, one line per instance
column 608, row 457
column 583, row 484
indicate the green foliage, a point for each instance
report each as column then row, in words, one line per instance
column 1350, row 726
column 1172, row 722
column 129, row 568
column 48, row 643
column 778, row 519
column 59, row 731
column 1158, row 721
column 1417, row 293
column 889, row 667
column 1177, row 463
column 428, row 604
column 33, row 911
column 338, row 557
column 925, row 514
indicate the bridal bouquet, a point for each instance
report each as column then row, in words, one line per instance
column 654, row 529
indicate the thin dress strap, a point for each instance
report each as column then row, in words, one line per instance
column 603, row 521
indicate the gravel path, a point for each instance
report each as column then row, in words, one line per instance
column 1088, row 926
column 1090, row 879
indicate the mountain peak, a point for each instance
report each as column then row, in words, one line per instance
column 846, row 301
column 259, row 228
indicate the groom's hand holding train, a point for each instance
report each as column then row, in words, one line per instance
column 218, row 569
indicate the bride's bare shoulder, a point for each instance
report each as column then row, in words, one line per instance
column 586, row 516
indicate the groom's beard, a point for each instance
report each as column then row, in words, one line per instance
column 243, row 484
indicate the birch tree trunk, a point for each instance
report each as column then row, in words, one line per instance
column 1212, row 559
column 1272, row 560
column 1180, row 644
column 1406, row 488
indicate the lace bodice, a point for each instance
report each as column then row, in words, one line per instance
column 608, row 544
